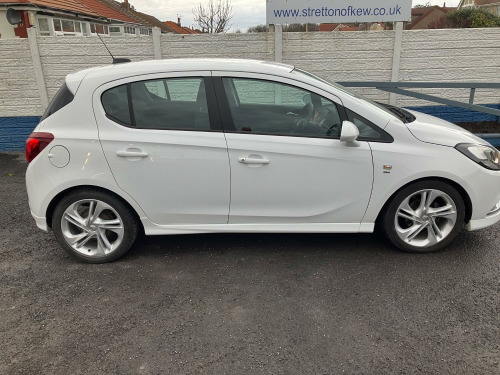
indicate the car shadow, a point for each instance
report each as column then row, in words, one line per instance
column 347, row 245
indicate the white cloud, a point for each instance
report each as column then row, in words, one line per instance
column 247, row 13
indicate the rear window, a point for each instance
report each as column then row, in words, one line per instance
column 164, row 104
column 60, row 100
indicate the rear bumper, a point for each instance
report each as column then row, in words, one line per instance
column 483, row 223
column 41, row 222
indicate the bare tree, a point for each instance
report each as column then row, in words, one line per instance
column 214, row 16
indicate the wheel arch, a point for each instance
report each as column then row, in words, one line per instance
column 53, row 203
column 463, row 193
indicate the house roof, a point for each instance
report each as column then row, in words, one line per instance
column 67, row 5
column 338, row 27
column 418, row 15
column 179, row 29
column 107, row 11
column 486, row 2
column 153, row 21
column 139, row 17
column 480, row 2
column 191, row 31
column 327, row 26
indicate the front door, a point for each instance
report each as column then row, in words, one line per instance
column 164, row 148
column 288, row 165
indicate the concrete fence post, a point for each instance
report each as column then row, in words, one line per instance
column 37, row 67
column 157, row 42
column 278, row 43
column 396, row 58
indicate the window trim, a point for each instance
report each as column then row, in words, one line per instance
column 213, row 110
column 228, row 122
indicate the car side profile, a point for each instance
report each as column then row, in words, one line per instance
column 219, row 145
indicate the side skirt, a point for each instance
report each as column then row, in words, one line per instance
column 154, row 229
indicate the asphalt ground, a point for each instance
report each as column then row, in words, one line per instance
column 244, row 304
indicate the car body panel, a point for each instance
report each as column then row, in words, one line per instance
column 421, row 150
column 431, row 129
column 307, row 180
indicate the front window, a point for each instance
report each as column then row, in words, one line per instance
column 267, row 107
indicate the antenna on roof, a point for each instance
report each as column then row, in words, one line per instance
column 116, row 60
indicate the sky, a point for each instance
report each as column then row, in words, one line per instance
column 247, row 13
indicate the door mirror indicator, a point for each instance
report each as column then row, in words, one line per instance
column 349, row 132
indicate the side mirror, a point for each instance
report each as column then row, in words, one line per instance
column 349, row 132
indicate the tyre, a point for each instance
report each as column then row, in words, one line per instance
column 94, row 226
column 424, row 217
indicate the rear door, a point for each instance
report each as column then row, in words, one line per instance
column 163, row 141
column 288, row 165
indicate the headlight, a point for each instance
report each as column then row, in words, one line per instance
column 487, row 156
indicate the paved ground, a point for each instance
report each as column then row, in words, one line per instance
column 244, row 304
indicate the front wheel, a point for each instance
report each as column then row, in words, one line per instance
column 94, row 226
column 424, row 217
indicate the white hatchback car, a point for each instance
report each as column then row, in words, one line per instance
column 202, row 146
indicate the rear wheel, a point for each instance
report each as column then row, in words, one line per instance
column 94, row 226
column 424, row 217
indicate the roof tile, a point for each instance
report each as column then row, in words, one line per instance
column 67, row 5
column 106, row 11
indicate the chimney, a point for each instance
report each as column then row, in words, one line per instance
column 127, row 5
column 179, row 21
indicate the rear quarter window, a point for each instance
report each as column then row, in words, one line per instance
column 116, row 104
column 60, row 100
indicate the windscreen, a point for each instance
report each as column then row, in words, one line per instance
column 399, row 113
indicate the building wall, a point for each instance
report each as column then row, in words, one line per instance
column 427, row 55
column 6, row 29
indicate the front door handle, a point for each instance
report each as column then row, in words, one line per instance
column 253, row 161
column 132, row 154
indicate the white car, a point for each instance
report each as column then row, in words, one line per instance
column 203, row 146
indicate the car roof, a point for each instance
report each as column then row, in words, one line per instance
column 173, row 65
column 117, row 71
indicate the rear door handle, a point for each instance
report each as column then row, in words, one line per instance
column 253, row 161
column 132, row 154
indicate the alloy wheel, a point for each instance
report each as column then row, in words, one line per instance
column 425, row 218
column 92, row 227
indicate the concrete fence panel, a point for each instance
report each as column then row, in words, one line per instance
column 422, row 55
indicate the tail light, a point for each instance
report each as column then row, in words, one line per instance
column 35, row 144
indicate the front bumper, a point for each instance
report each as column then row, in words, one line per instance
column 483, row 223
